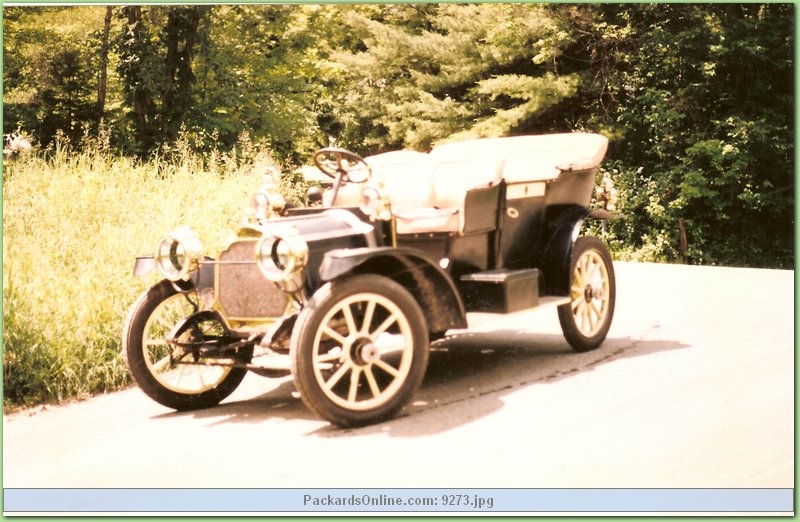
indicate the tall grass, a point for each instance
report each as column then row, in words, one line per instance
column 73, row 222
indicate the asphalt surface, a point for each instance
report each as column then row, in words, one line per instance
column 694, row 388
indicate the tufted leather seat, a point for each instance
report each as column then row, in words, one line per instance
column 449, row 183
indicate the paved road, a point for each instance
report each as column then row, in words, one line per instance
column 693, row 388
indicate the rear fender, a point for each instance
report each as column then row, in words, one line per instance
column 432, row 288
column 556, row 257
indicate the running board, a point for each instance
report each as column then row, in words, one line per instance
column 483, row 320
column 500, row 291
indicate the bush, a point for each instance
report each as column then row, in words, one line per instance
column 73, row 222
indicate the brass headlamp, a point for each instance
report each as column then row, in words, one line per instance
column 178, row 253
column 281, row 253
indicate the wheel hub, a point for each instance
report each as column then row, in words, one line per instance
column 365, row 352
column 591, row 292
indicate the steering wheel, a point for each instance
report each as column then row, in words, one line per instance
column 342, row 165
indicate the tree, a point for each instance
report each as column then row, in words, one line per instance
column 156, row 53
column 453, row 71
column 265, row 70
column 180, row 35
column 102, row 85
column 49, row 73
column 698, row 100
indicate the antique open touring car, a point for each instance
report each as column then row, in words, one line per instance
column 346, row 294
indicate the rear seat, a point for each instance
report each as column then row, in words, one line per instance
column 449, row 183
column 425, row 197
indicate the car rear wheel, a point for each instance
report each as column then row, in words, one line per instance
column 166, row 373
column 585, row 320
column 359, row 350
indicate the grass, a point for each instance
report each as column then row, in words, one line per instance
column 73, row 223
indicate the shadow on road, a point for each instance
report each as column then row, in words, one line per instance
column 464, row 371
column 281, row 402
column 467, row 369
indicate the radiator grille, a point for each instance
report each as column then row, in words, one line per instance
column 242, row 291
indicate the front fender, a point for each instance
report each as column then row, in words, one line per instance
column 431, row 286
column 143, row 266
column 563, row 227
column 202, row 278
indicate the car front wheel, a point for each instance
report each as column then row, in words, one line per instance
column 359, row 350
column 585, row 320
column 167, row 374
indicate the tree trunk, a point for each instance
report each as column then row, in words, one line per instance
column 140, row 85
column 181, row 35
column 103, row 83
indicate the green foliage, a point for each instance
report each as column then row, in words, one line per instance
column 48, row 77
column 697, row 99
column 469, row 70
column 28, row 363
column 73, row 223
column 262, row 69
column 156, row 48
column 700, row 99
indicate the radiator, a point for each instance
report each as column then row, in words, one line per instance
column 241, row 290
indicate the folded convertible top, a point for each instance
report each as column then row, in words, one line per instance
column 528, row 158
